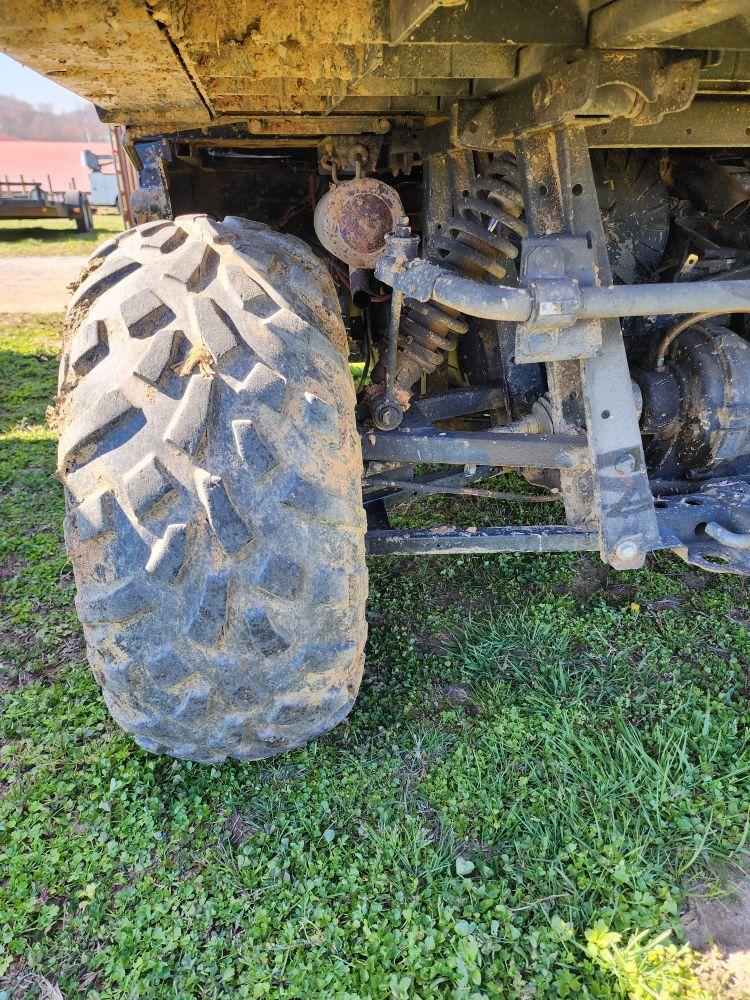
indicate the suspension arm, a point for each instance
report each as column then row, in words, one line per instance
column 559, row 302
column 538, row 451
column 420, row 280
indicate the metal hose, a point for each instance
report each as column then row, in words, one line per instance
column 674, row 332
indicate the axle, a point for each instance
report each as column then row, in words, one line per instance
column 546, row 307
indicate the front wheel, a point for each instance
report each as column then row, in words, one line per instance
column 211, row 463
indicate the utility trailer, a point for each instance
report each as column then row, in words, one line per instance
column 533, row 222
column 24, row 199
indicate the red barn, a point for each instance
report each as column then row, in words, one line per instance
column 36, row 161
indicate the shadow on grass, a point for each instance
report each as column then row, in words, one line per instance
column 56, row 236
column 32, row 232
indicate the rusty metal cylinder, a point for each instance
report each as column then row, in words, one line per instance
column 359, row 286
column 353, row 218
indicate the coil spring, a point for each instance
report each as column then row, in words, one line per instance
column 474, row 243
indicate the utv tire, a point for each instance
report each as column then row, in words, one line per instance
column 211, row 464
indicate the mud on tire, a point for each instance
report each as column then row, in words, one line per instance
column 211, row 465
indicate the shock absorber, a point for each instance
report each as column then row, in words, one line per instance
column 475, row 243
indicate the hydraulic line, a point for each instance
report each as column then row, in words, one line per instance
column 474, row 243
column 674, row 333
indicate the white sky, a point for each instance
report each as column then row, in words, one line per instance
column 23, row 83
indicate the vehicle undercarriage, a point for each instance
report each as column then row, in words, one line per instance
column 629, row 402
column 537, row 227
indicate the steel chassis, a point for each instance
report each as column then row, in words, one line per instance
column 566, row 308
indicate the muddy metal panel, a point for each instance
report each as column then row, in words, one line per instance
column 113, row 53
column 172, row 63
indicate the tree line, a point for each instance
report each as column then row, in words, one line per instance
column 22, row 120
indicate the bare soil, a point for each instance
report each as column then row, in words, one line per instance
column 721, row 929
column 37, row 284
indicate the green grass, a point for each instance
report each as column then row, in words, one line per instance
column 545, row 755
column 53, row 237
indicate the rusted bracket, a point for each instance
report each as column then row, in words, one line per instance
column 348, row 154
column 594, row 89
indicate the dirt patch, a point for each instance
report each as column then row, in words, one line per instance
column 452, row 696
column 19, row 981
column 458, row 697
column 37, row 284
column 665, row 604
column 11, row 567
column 436, row 644
column 721, row 929
column 239, row 829
column 69, row 650
column 695, row 580
column 589, row 577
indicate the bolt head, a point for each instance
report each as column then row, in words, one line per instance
column 625, row 463
column 627, row 550
column 403, row 228
column 387, row 415
column 541, row 342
